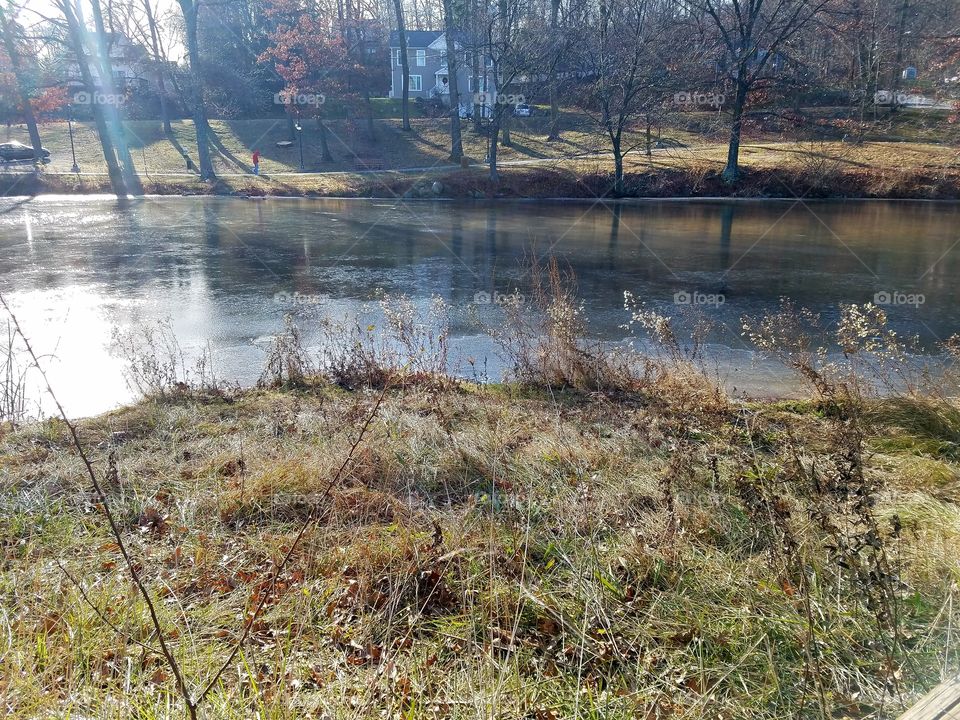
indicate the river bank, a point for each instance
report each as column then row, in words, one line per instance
column 580, row 167
column 526, row 182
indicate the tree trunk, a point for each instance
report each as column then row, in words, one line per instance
column 404, row 63
column 898, row 62
column 732, row 171
column 325, row 155
column 13, row 52
column 503, row 114
column 106, row 144
column 477, row 106
column 112, row 110
column 161, row 69
column 453, row 65
column 291, row 127
column 475, row 59
column 190, row 9
column 617, row 165
column 554, row 134
column 492, row 147
column 371, row 130
column 649, row 141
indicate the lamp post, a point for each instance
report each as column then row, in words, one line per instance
column 73, row 150
column 299, row 128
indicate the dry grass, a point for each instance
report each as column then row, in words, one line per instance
column 778, row 163
column 492, row 552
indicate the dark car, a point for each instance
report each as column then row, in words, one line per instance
column 10, row 151
column 523, row 110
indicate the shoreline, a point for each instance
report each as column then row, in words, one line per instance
column 713, row 199
column 520, row 183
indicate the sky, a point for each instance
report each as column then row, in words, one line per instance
column 46, row 7
column 34, row 9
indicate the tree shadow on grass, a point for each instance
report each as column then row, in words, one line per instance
column 188, row 161
column 224, row 152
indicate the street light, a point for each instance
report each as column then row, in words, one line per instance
column 299, row 128
column 73, row 151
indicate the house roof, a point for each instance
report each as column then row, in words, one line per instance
column 416, row 38
column 441, row 42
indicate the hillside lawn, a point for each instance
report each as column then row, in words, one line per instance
column 911, row 154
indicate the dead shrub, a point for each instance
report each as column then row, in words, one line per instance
column 412, row 347
column 13, row 381
column 288, row 363
column 544, row 341
column 158, row 366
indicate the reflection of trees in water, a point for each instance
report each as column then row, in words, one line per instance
column 723, row 258
column 349, row 248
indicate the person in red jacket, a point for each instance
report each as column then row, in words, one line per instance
column 256, row 162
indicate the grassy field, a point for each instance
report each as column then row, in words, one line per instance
column 585, row 542
column 911, row 154
column 234, row 141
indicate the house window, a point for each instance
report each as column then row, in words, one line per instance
column 443, row 57
column 416, row 83
column 421, row 58
column 396, row 55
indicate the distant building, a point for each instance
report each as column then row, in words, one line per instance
column 133, row 69
column 427, row 58
column 910, row 73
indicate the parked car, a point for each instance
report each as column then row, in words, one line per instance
column 523, row 110
column 10, row 151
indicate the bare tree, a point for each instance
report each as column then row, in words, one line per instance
column 751, row 34
column 513, row 49
column 140, row 22
column 475, row 46
column 628, row 53
column 160, row 61
column 191, row 20
column 404, row 61
column 558, row 54
column 76, row 41
column 453, row 66
column 101, row 44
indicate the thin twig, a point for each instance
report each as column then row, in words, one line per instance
column 107, row 621
column 114, row 527
column 311, row 519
